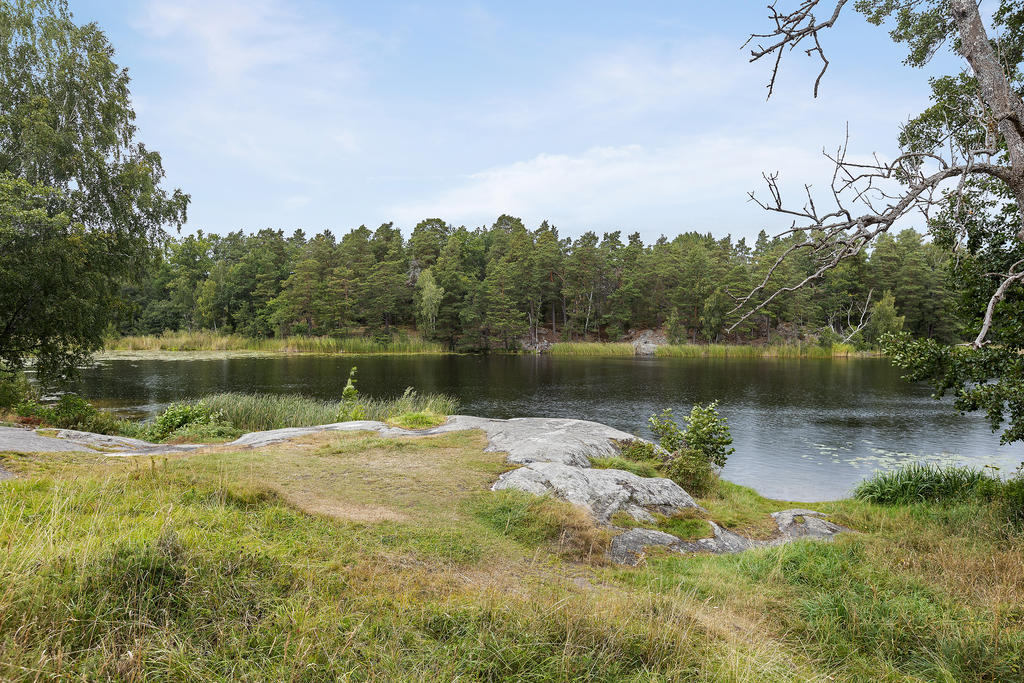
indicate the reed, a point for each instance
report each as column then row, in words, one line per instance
column 211, row 341
column 592, row 349
column 766, row 351
column 259, row 412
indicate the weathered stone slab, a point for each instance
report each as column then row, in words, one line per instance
column 603, row 492
column 630, row 547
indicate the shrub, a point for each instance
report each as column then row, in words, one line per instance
column 179, row 415
column 708, row 433
column 697, row 452
column 14, row 389
column 693, row 471
column 667, row 430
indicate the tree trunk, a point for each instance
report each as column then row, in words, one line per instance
column 1002, row 100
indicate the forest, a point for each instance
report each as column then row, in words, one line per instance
column 507, row 286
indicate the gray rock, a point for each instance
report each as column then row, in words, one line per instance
column 813, row 525
column 120, row 445
column 629, row 548
column 19, row 440
column 602, row 492
column 525, row 439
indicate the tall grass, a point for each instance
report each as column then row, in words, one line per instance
column 925, row 483
column 752, row 351
column 608, row 349
column 592, row 349
column 259, row 412
column 211, row 341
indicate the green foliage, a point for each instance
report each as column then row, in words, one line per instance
column 350, row 393
column 692, row 470
column 418, row 420
column 707, row 432
column 884, row 320
column 69, row 412
column 260, row 412
column 490, row 288
column 696, row 453
column 15, row 389
column 989, row 379
column 80, row 197
column 665, row 427
column 179, row 415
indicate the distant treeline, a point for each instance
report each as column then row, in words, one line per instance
column 493, row 287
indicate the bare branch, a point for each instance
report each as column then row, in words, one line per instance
column 1008, row 279
column 791, row 29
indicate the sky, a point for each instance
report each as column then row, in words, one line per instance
column 641, row 117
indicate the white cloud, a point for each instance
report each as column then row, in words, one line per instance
column 234, row 40
column 697, row 183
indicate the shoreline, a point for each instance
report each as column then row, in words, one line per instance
column 570, row 350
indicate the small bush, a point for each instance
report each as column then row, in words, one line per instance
column 707, row 432
column 693, row 471
column 14, row 389
column 180, row 415
column 667, row 430
column 697, row 452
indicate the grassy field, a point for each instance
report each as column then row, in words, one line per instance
column 603, row 349
column 210, row 341
column 353, row 557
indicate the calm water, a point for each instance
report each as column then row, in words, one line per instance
column 803, row 429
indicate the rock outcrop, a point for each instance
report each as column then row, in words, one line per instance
column 602, row 492
column 525, row 439
column 630, row 547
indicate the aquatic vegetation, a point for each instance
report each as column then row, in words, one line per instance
column 596, row 349
column 258, row 412
column 211, row 341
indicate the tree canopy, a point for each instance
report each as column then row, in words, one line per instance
column 81, row 196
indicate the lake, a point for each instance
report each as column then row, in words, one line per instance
column 804, row 429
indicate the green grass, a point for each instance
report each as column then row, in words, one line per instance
column 211, row 341
column 921, row 482
column 348, row 556
column 643, row 468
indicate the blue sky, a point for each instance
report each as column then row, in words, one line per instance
column 594, row 115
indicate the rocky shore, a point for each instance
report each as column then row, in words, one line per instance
column 554, row 458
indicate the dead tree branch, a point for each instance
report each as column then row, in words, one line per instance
column 791, row 29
